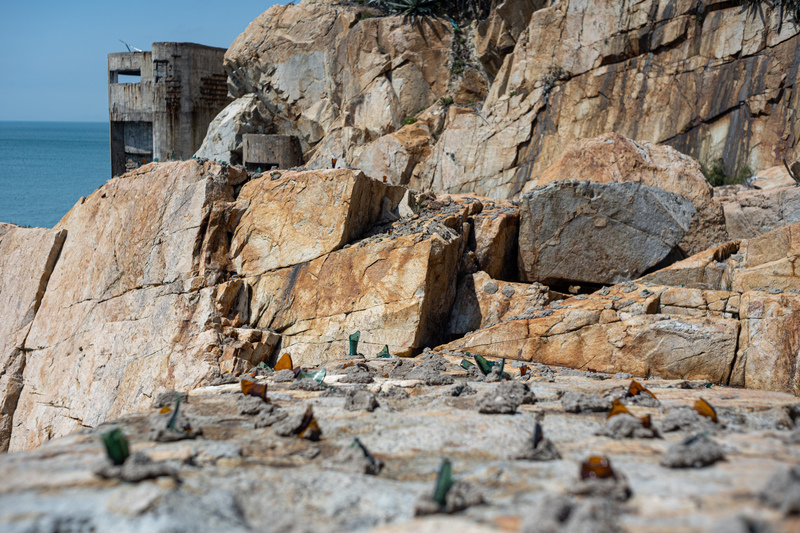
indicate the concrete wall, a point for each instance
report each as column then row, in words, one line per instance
column 188, row 97
column 166, row 114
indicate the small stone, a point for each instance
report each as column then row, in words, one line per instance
column 461, row 496
column 490, row 287
column 622, row 375
column 357, row 377
column 685, row 419
column 353, row 460
column 252, row 405
column 360, row 400
column 696, row 452
column 556, row 512
column 605, row 291
column 462, row 390
column 283, row 376
column 508, row 291
column 307, row 384
column 776, row 291
column 576, row 402
column 625, row 426
column 169, row 398
column 137, row 468
column 505, row 398
column 783, row 491
column 394, row 392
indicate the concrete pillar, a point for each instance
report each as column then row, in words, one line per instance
column 270, row 152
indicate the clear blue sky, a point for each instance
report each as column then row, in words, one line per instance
column 53, row 54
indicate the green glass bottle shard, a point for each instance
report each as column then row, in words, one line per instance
column 384, row 354
column 354, row 343
column 174, row 417
column 483, row 364
column 317, row 376
column 443, row 482
column 466, row 365
column 357, row 443
column 116, row 446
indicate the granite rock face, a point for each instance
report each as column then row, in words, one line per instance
column 727, row 315
column 596, row 232
column 300, row 216
column 27, row 258
column 181, row 273
column 323, row 66
column 133, row 303
column 751, row 213
column 345, row 82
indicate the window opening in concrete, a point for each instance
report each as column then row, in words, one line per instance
column 129, row 77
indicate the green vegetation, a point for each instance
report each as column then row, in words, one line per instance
column 716, row 175
column 409, row 120
column 456, row 10
column 458, row 66
column 364, row 15
column 447, row 100
column 783, row 6
column 410, row 8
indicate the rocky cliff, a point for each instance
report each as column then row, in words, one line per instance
column 488, row 107
column 474, row 262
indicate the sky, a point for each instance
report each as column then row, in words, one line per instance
column 53, row 53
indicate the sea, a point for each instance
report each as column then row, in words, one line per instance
column 45, row 168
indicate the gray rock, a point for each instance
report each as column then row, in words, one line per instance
column 360, row 400
column 283, row 376
column 505, row 398
column 783, row 491
column 353, row 460
column 252, row 405
column 625, row 427
column 557, row 513
column 576, row 402
column 394, row 393
column 308, row 384
column 695, row 452
column 168, row 398
column 631, row 226
column 138, row 467
column 460, row 496
column 685, row 419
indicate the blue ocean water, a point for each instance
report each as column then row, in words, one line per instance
column 45, row 167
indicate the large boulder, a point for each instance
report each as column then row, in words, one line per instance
column 33, row 252
column 600, row 233
column 396, row 286
column 304, row 215
column 612, row 158
column 752, row 213
column 620, row 330
column 482, row 302
column 223, row 141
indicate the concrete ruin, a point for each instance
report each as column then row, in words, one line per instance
column 269, row 152
column 161, row 102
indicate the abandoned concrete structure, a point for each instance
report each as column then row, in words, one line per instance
column 161, row 102
column 271, row 151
